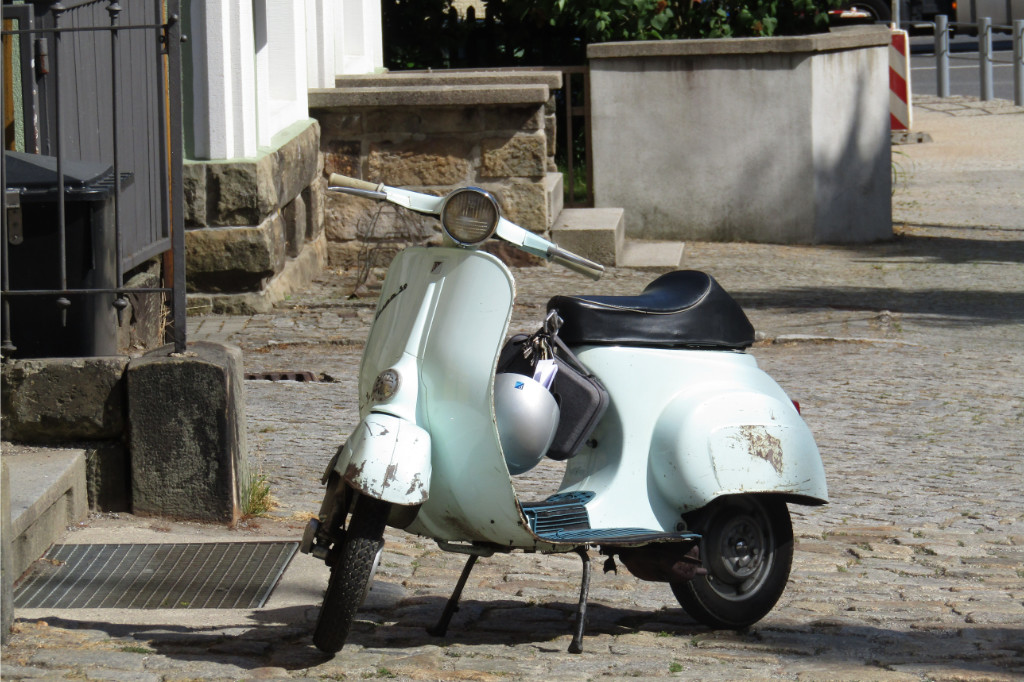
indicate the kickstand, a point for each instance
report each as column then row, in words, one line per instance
column 576, row 645
column 441, row 627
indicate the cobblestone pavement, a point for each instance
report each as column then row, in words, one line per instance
column 906, row 359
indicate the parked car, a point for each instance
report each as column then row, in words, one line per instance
column 873, row 11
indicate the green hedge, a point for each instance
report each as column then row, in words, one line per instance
column 428, row 33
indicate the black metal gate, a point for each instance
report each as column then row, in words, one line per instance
column 92, row 155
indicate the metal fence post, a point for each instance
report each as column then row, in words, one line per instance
column 174, row 38
column 942, row 55
column 985, row 57
column 1018, row 62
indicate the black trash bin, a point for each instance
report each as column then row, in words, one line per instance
column 38, row 325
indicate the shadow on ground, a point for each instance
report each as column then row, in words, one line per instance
column 955, row 306
column 283, row 637
column 954, row 246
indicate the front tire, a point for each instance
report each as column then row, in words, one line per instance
column 747, row 549
column 351, row 574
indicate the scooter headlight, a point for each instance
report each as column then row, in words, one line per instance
column 470, row 215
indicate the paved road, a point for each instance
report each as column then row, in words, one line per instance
column 964, row 68
column 906, row 359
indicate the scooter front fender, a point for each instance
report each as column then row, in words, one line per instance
column 733, row 441
column 387, row 458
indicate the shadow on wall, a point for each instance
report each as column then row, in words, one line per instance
column 830, row 183
column 785, row 146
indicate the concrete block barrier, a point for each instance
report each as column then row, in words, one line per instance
column 187, row 433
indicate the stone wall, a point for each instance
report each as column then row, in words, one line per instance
column 433, row 132
column 49, row 401
column 255, row 226
column 162, row 434
column 781, row 140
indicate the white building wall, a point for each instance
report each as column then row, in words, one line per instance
column 224, row 79
column 254, row 60
column 358, row 40
column 320, row 29
column 280, row 29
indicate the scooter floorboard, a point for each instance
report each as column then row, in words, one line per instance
column 563, row 518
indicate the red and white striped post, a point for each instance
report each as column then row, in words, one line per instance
column 900, row 112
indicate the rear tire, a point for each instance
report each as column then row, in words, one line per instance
column 351, row 574
column 747, row 549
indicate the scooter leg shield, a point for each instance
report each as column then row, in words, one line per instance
column 388, row 458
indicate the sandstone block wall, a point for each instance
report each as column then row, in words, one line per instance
column 432, row 133
column 255, row 226
column 48, row 401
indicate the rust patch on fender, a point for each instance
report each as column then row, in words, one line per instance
column 354, row 470
column 390, row 474
column 762, row 444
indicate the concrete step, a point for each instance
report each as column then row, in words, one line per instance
column 47, row 494
column 554, row 197
column 599, row 234
column 594, row 233
column 639, row 253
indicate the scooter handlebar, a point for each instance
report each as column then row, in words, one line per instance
column 575, row 262
column 538, row 246
column 506, row 230
column 339, row 180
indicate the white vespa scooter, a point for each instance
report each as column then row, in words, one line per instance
column 685, row 478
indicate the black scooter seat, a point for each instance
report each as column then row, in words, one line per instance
column 681, row 309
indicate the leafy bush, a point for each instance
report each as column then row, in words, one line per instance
column 608, row 20
column 429, row 34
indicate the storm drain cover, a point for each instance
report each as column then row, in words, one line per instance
column 208, row 575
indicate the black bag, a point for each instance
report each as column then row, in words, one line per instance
column 581, row 398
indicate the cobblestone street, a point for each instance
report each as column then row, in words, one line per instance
column 906, row 360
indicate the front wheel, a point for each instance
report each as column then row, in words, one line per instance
column 351, row 574
column 747, row 549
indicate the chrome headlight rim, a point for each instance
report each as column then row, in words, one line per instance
column 444, row 215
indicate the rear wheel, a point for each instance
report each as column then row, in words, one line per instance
column 351, row 573
column 747, row 549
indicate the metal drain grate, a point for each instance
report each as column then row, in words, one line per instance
column 213, row 575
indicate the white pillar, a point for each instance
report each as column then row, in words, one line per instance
column 320, row 29
column 280, row 30
column 358, row 39
column 224, row 79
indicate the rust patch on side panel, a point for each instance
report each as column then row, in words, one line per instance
column 762, row 444
column 416, row 487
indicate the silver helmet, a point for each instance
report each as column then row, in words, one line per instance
column 527, row 416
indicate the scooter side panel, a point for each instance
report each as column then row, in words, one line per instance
column 725, row 440
column 655, row 457
column 640, row 382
